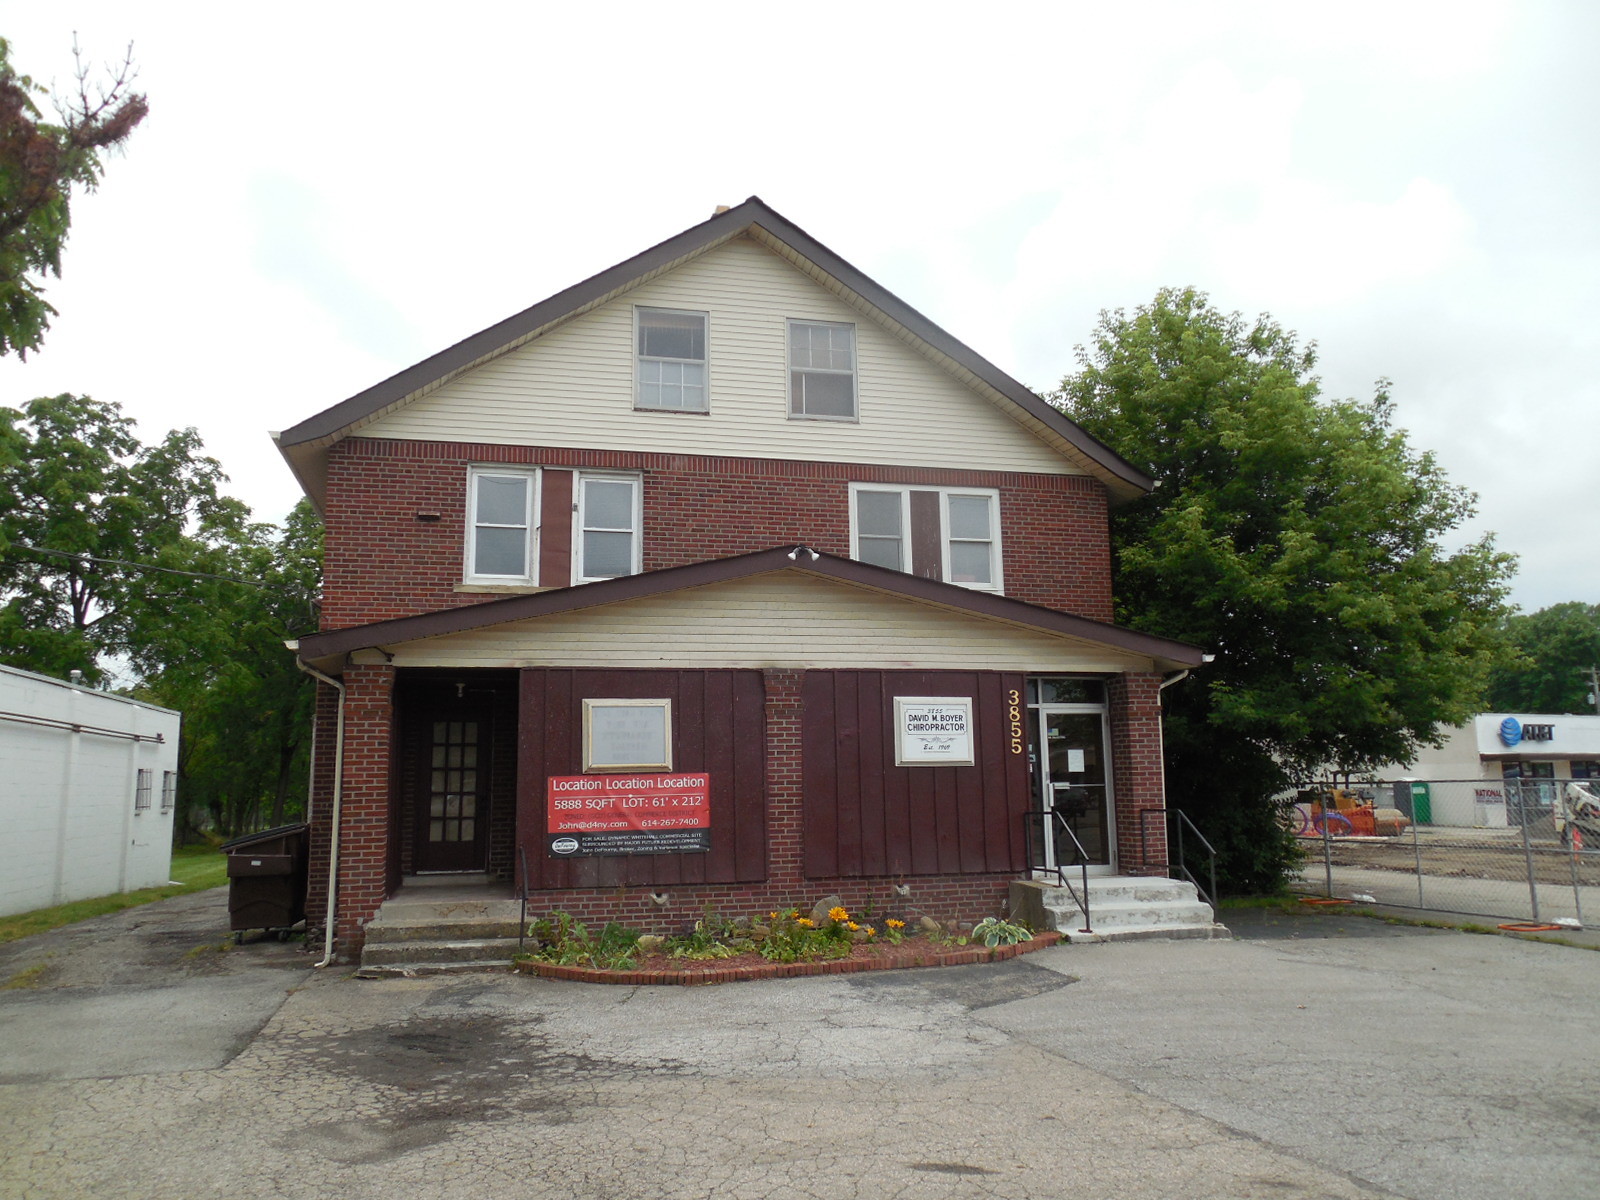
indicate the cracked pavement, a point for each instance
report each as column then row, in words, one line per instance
column 1415, row 1063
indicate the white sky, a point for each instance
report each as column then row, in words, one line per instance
column 324, row 194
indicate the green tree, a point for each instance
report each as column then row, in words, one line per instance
column 219, row 658
column 84, row 505
column 41, row 162
column 1299, row 541
column 1557, row 647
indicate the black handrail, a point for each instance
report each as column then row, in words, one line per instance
column 1175, row 820
column 522, row 925
column 1039, row 816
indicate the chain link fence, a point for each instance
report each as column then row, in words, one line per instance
column 1511, row 849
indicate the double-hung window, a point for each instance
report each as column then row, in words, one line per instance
column 951, row 534
column 607, row 528
column 882, row 533
column 502, row 521
column 672, row 360
column 822, row 370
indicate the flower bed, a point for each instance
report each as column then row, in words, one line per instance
column 664, row 969
column 776, row 945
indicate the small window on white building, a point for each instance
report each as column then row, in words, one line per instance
column 607, row 542
column 502, row 524
column 627, row 735
column 672, row 360
column 169, row 790
column 822, row 370
column 141, row 789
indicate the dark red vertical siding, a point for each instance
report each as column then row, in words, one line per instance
column 927, row 544
column 718, row 726
column 555, row 529
column 866, row 816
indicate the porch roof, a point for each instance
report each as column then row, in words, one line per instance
column 328, row 651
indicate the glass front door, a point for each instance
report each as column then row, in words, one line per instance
column 1070, row 772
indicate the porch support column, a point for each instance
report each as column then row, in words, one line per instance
column 1136, row 772
column 369, row 758
column 785, row 802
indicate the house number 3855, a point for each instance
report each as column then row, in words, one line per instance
column 1014, row 715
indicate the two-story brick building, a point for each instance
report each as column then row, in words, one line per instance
column 731, row 530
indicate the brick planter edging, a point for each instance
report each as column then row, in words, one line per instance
column 897, row 960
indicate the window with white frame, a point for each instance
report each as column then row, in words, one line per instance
column 822, row 370
column 672, row 360
column 141, row 789
column 169, row 790
column 882, row 532
column 502, row 525
column 956, row 529
column 608, row 521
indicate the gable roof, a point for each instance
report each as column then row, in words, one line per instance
column 305, row 445
column 327, row 650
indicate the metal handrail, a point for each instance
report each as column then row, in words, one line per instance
column 1082, row 860
column 1175, row 819
column 522, row 925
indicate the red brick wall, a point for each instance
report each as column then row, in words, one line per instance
column 1135, row 702
column 367, row 810
column 383, row 562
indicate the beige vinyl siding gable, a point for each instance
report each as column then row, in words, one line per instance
column 784, row 619
column 574, row 386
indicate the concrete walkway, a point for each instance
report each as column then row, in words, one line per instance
column 1318, row 1056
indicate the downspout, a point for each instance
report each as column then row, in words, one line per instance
column 338, row 801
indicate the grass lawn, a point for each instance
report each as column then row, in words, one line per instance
column 195, row 868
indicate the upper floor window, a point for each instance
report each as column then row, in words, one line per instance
column 608, row 527
column 822, row 370
column 672, row 360
column 502, row 521
column 939, row 533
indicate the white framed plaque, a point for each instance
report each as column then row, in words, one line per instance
column 627, row 735
column 933, row 731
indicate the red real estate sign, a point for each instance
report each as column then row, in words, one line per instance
column 589, row 815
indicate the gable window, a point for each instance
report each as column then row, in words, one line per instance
column 502, row 521
column 822, row 370
column 672, row 360
column 951, row 534
column 608, row 527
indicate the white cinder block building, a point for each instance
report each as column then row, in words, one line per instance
column 88, row 783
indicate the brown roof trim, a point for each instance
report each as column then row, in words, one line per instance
column 719, row 570
column 719, row 228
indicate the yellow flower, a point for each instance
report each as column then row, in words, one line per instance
column 772, row 916
column 805, row 922
column 838, row 914
column 871, row 932
column 893, row 924
column 852, row 926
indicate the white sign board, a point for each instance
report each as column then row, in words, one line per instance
column 933, row 731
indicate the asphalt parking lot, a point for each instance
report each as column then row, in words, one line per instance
column 1316, row 1056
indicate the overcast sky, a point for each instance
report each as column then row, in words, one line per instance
column 324, row 194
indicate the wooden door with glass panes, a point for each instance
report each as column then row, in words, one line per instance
column 452, row 809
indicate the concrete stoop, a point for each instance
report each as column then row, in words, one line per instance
column 437, row 928
column 1121, row 908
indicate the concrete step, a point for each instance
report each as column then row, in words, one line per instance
column 414, row 969
column 462, row 950
column 1120, row 908
column 423, row 928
